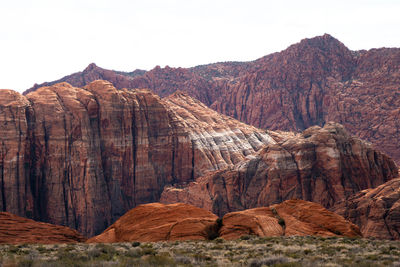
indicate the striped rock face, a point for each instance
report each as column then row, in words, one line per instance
column 82, row 157
column 324, row 165
column 19, row 230
column 375, row 210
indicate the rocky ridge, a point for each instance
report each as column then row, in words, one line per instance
column 289, row 218
column 82, row 157
column 375, row 210
column 310, row 83
column 158, row 222
column 323, row 165
column 18, row 230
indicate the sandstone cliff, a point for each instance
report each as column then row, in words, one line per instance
column 376, row 211
column 310, row 83
column 82, row 157
column 323, row 165
column 18, row 230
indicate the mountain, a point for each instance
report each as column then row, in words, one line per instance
column 157, row 222
column 376, row 210
column 19, row 230
column 310, row 83
column 324, row 165
column 82, row 157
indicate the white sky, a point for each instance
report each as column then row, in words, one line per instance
column 44, row 40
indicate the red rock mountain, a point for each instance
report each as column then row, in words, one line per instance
column 18, row 230
column 310, row 83
column 323, row 165
column 376, row 211
column 158, row 222
column 82, row 157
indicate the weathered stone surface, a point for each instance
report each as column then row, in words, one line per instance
column 19, row 230
column 309, row 83
column 14, row 113
column 158, row 222
column 323, row 165
column 292, row 217
column 82, row 157
column 376, row 211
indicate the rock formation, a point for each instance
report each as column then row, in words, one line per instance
column 376, row 211
column 323, row 165
column 292, row 217
column 82, row 157
column 310, row 83
column 18, row 230
column 157, row 222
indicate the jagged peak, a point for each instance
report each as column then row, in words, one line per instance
column 321, row 41
column 91, row 66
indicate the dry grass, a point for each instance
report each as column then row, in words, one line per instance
column 247, row 251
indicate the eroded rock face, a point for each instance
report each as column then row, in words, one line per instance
column 82, row 157
column 323, row 165
column 158, row 222
column 19, row 230
column 376, row 211
column 310, row 83
column 292, row 217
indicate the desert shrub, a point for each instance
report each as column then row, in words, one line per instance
column 159, row 260
column 212, row 230
column 271, row 260
column 135, row 244
column 246, row 237
column 149, row 251
column 25, row 263
column 94, row 253
column 134, row 252
column 183, row 260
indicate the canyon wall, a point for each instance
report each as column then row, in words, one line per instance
column 310, row 83
column 82, row 157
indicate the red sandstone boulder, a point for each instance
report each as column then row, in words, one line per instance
column 292, row 217
column 158, row 222
column 18, row 230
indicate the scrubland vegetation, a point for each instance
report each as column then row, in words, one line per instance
column 246, row 251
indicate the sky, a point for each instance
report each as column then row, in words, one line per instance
column 44, row 40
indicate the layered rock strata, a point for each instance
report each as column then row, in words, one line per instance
column 158, row 222
column 82, row 157
column 310, row 83
column 323, row 165
column 19, row 230
column 289, row 218
column 376, row 211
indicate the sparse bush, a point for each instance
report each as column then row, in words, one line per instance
column 269, row 261
column 212, row 230
column 281, row 222
column 135, row 244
